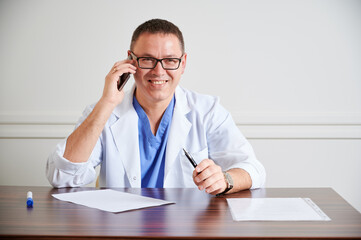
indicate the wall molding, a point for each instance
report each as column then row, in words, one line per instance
column 39, row 117
column 18, row 125
column 301, row 131
column 296, row 118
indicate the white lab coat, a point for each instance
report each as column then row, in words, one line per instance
column 200, row 125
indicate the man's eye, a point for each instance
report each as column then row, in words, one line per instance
column 147, row 59
column 171, row 60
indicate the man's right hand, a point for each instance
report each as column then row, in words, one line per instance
column 111, row 94
column 81, row 142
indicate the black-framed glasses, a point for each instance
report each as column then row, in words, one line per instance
column 151, row 62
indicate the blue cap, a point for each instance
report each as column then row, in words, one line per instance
column 29, row 203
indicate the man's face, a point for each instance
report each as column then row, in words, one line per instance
column 157, row 85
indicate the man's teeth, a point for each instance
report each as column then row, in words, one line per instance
column 158, row 82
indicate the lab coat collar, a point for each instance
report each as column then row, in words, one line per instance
column 181, row 101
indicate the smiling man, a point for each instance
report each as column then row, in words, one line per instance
column 138, row 137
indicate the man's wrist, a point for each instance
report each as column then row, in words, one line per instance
column 229, row 183
column 104, row 102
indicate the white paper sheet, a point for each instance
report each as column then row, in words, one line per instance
column 275, row 209
column 110, row 200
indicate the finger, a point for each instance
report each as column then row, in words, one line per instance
column 210, row 181
column 126, row 61
column 123, row 61
column 202, row 176
column 216, row 188
column 124, row 64
column 208, row 172
column 123, row 68
column 115, row 73
column 204, row 164
column 195, row 173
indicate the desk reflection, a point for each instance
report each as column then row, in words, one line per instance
column 191, row 210
column 173, row 219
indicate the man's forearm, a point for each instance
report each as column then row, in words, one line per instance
column 81, row 142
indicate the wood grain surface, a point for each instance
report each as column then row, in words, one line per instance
column 196, row 215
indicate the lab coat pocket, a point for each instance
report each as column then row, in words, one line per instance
column 201, row 155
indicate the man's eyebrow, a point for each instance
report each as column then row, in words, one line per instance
column 146, row 55
column 172, row 56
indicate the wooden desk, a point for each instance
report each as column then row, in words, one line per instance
column 195, row 215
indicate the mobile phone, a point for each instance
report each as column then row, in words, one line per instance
column 123, row 79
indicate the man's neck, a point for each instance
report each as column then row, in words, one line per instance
column 154, row 111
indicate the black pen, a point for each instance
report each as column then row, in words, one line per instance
column 190, row 158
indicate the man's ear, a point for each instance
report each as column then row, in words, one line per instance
column 184, row 62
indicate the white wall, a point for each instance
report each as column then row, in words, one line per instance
column 288, row 71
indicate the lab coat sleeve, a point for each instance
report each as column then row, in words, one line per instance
column 229, row 148
column 63, row 173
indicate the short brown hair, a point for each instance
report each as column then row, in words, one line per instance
column 157, row 26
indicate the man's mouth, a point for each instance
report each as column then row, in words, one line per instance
column 158, row 82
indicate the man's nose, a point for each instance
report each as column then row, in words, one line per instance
column 158, row 69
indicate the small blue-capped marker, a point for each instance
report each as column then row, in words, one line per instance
column 29, row 200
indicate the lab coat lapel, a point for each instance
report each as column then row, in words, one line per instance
column 125, row 135
column 179, row 130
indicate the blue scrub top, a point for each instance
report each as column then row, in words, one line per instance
column 152, row 148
